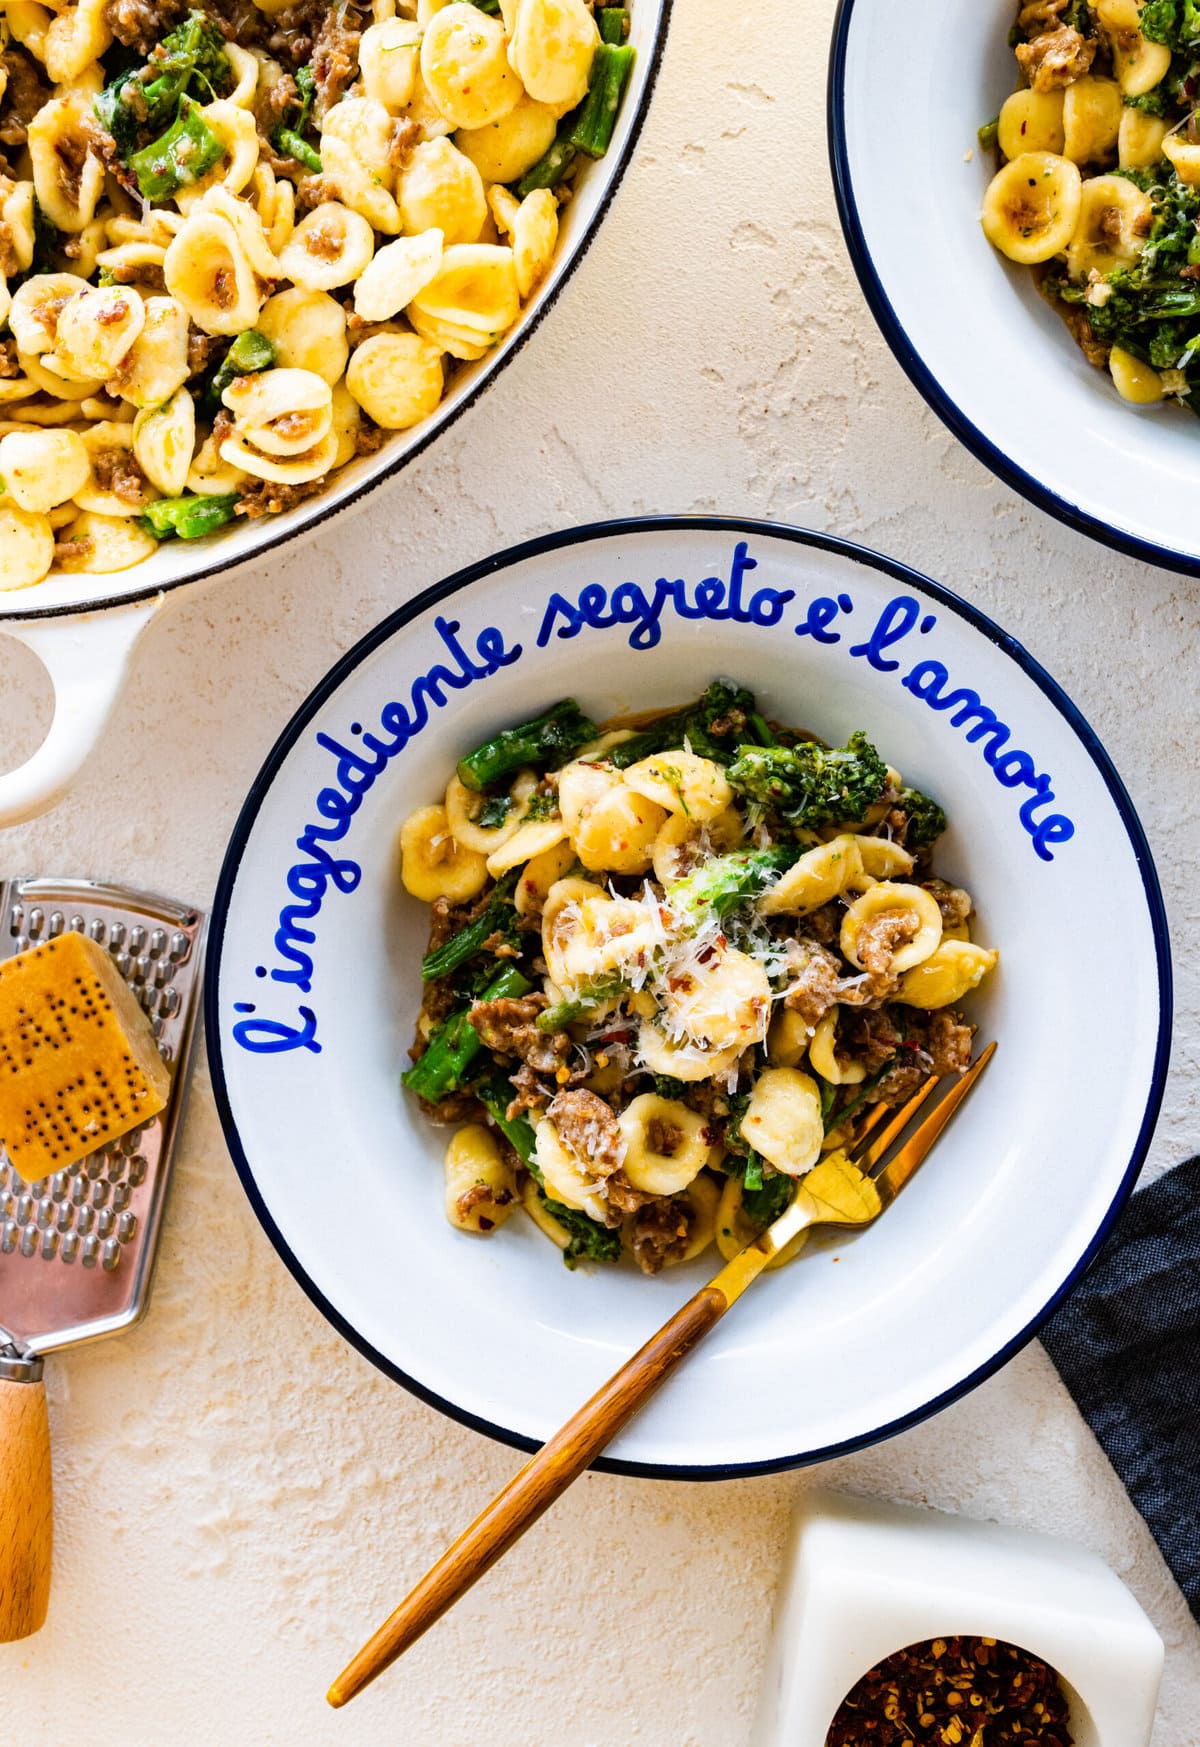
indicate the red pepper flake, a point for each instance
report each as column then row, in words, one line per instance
column 955, row 1692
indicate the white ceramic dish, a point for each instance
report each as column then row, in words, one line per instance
column 989, row 355
column 346, row 1175
column 862, row 1579
column 87, row 658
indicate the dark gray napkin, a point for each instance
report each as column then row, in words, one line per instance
column 1127, row 1345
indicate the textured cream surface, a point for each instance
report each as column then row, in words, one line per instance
column 239, row 1494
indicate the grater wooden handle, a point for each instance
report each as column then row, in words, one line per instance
column 26, row 1515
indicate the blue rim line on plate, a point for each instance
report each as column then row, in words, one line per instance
column 452, row 585
column 918, row 372
column 524, row 335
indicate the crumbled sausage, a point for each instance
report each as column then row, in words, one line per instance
column 1056, row 59
column 881, row 937
column 509, row 1027
column 815, row 979
column 823, row 924
column 266, row 497
column 659, row 1232
column 142, row 24
column 663, row 1137
column 116, row 470
column 948, row 1042
column 587, row 1127
column 368, row 438
column 335, row 56
column 23, row 96
column 10, row 266
column 1040, row 15
column 952, row 901
column 406, row 134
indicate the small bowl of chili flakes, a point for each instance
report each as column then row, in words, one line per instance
column 957, row 1692
column 900, row 1627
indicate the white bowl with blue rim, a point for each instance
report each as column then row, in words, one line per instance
column 991, row 357
column 313, row 988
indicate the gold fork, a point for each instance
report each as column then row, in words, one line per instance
column 844, row 1189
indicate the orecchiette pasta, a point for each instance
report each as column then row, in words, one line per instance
column 822, row 1054
column 42, row 469
column 783, row 1120
column 388, row 53
column 665, row 1144
column 900, row 923
column 481, row 1186
column 396, row 273
column 464, row 62
column 950, row 972
column 396, row 379
column 433, row 865
column 552, row 47
column 206, row 271
column 68, row 176
column 95, row 330
column 26, row 545
column 440, row 189
column 817, row 877
column 226, row 206
column 682, row 782
column 505, row 150
column 164, row 439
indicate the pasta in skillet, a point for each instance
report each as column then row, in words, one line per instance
column 1098, row 185
column 241, row 244
column 671, row 969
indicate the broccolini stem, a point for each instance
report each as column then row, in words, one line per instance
column 249, row 353
column 544, row 743
column 613, row 23
column 578, row 1006
column 495, row 1095
column 550, row 168
column 287, row 141
column 469, row 940
column 456, row 1043
column 597, row 118
column 189, row 517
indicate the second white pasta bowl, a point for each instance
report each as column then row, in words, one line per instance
column 991, row 357
column 314, row 984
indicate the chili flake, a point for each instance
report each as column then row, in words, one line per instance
column 955, row 1692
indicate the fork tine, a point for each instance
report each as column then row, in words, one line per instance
column 900, row 1120
column 870, row 1122
column 897, row 1172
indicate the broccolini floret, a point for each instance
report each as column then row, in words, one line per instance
column 926, row 820
column 714, row 727
column 141, row 103
column 716, row 887
column 811, row 785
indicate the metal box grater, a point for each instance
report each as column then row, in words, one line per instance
column 77, row 1249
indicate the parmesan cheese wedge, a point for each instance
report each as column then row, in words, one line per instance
column 78, row 1061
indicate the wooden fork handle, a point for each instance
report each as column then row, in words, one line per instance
column 532, row 1490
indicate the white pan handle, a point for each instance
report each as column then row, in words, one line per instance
column 87, row 657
